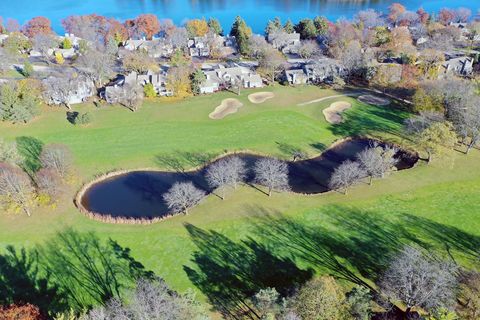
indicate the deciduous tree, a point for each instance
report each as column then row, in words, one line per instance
column 57, row 157
column 96, row 65
column 148, row 25
column 345, row 175
column 139, row 61
column 377, row 160
column 36, row 26
column 437, row 138
column 272, row 173
column 225, row 173
column 321, row 299
column 183, row 196
column 197, row 27
column 419, row 281
column 16, row 189
column 9, row 153
column 45, row 44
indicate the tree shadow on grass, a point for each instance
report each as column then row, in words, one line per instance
column 21, row 281
column 30, row 148
column 181, row 161
column 230, row 272
column 72, row 270
column 369, row 119
column 358, row 245
column 89, row 271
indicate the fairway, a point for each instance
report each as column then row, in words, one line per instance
column 249, row 234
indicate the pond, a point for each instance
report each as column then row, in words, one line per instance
column 255, row 12
column 139, row 194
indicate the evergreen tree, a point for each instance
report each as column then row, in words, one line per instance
column 197, row 78
column 306, row 28
column 289, row 27
column 321, row 25
column 215, row 26
column 242, row 34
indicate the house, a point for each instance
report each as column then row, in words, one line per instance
column 462, row 66
column 219, row 77
column 296, row 76
column 115, row 89
column 318, row 71
column 156, row 48
column 285, row 42
column 199, row 47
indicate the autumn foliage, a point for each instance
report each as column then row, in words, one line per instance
column 147, row 25
column 36, row 26
column 20, row 312
column 197, row 27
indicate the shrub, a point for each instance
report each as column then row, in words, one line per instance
column 27, row 70
column 84, row 118
column 149, row 91
column 59, row 59
column 66, row 43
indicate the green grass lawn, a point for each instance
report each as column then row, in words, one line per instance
column 249, row 238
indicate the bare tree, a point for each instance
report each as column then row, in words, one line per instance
column 57, row 157
column 151, row 300
column 346, row 175
column 48, row 183
column 9, row 153
column 225, row 173
column 59, row 90
column 44, row 44
column 16, row 187
column 179, row 38
column 419, row 281
column 377, row 160
column 131, row 96
column 370, row 18
column 308, row 49
column 272, row 63
column 182, row 196
column 272, row 173
column 96, row 65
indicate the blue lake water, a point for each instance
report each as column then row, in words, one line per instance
column 255, row 12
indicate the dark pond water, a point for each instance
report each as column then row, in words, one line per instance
column 138, row 194
column 256, row 12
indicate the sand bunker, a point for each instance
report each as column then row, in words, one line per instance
column 228, row 106
column 333, row 114
column 260, row 97
column 374, row 100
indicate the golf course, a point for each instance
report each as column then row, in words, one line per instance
column 248, row 241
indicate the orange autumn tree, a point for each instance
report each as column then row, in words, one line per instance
column 147, row 25
column 36, row 26
column 21, row 312
column 197, row 27
column 116, row 31
column 396, row 11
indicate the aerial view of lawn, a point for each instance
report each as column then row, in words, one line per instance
column 227, row 249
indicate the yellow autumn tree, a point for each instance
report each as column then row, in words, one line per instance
column 197, row 27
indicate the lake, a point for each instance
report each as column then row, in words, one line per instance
column 139, row 194
column 255, row 12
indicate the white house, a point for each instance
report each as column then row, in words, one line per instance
column 219, row 77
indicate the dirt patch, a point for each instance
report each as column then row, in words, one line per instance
column 260, row 97
column 333, row 114
column 374, row 100
column 228, row 106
